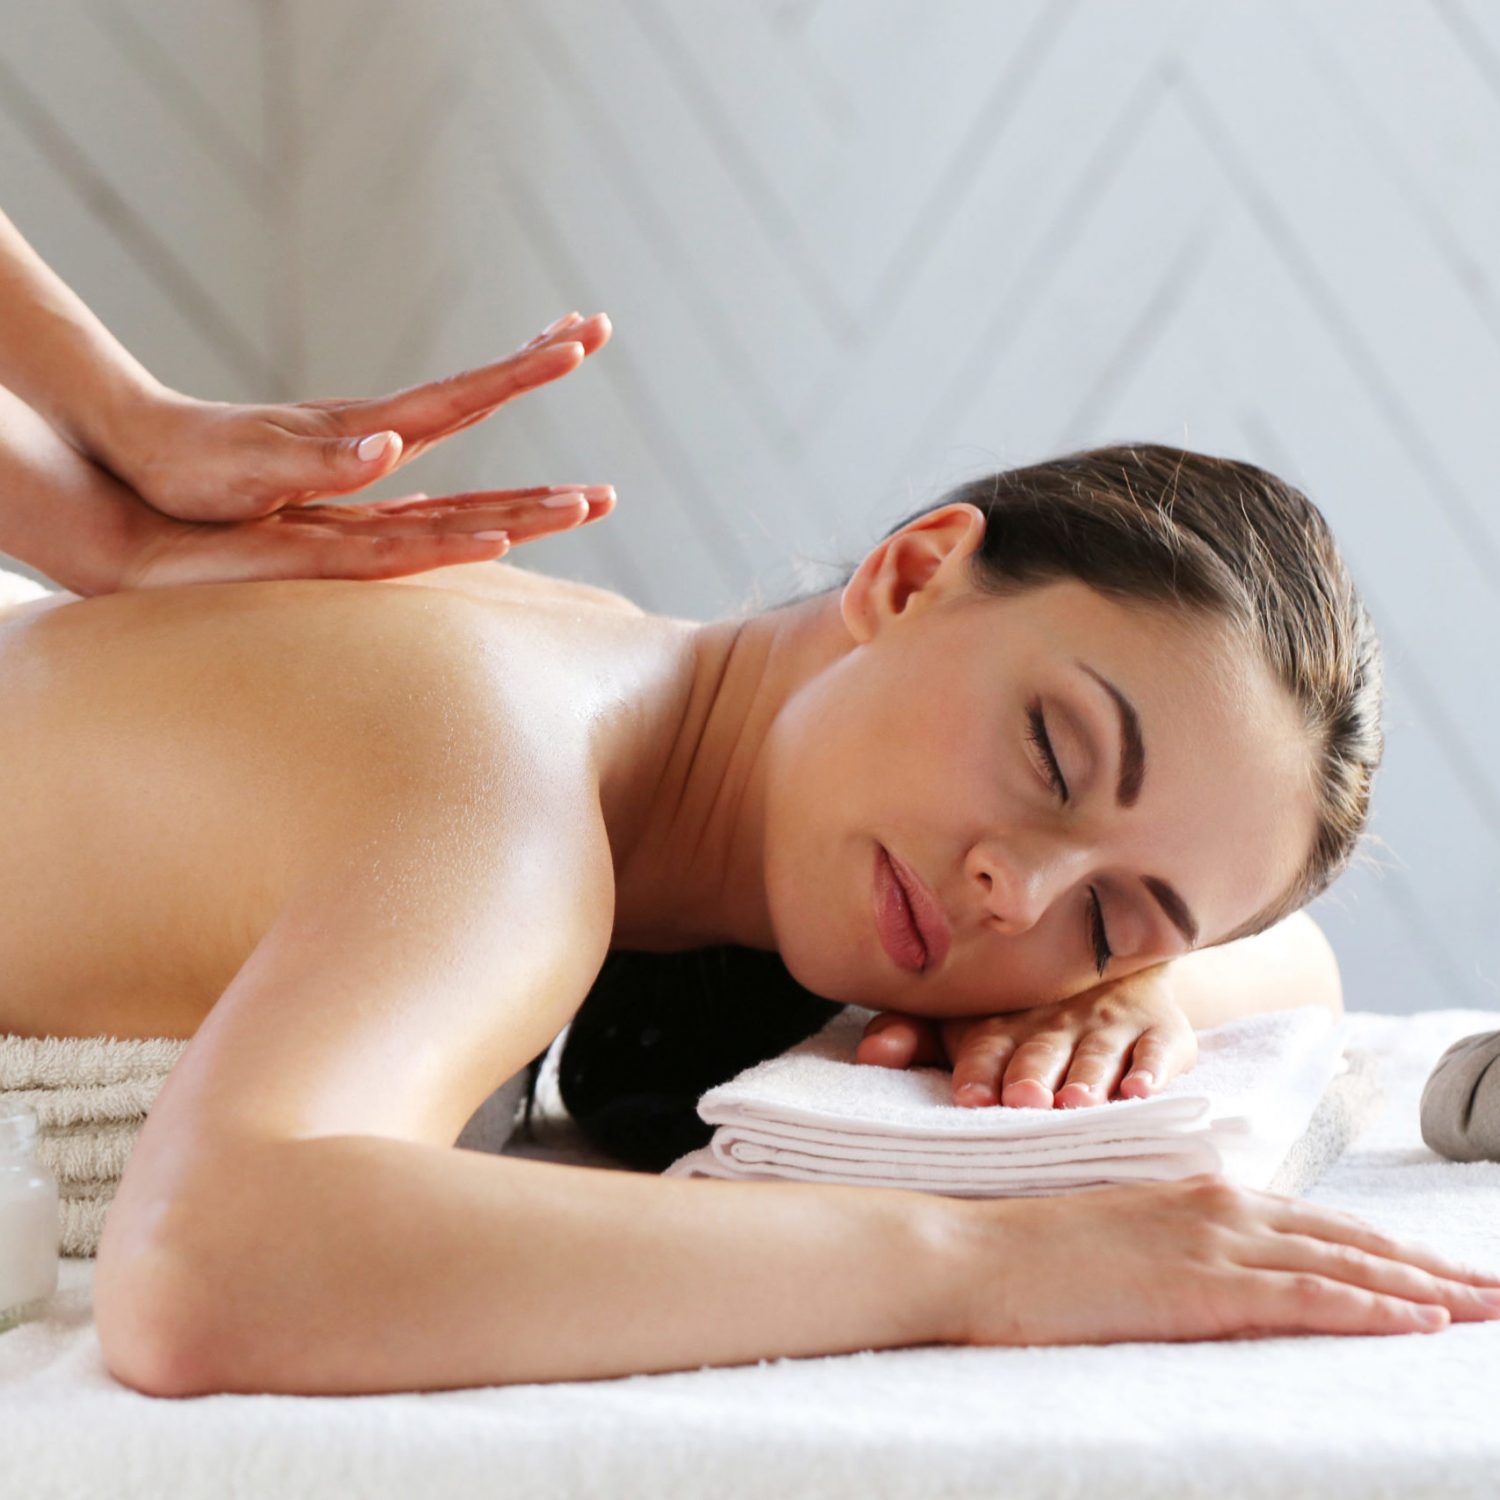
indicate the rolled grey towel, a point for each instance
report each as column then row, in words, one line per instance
column 1461, row 1100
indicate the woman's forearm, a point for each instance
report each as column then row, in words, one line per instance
column 1288, row 965
column 58, row 357
column 59, row 512
column 355, row 1264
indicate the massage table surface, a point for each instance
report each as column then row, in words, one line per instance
column 1408, row 1415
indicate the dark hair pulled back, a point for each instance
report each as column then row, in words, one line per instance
column 1140, row 522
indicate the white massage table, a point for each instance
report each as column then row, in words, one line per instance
column 1411, row 1415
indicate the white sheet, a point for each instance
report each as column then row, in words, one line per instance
column 1396, row 1416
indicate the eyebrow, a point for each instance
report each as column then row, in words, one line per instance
column 1127, row 794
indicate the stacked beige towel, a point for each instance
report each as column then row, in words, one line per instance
column 91, row 1096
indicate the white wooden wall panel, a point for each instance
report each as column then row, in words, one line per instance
column 854, row 252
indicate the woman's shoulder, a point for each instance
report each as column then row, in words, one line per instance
column 362, row 691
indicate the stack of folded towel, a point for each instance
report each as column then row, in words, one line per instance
column 1271, row 1102
column 91, row 1096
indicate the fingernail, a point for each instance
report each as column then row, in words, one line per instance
column 490, row 536
column 559, row 502
column 1490, row 1299
column 374, row 447
column 977, row 1093
column 1147, row 1078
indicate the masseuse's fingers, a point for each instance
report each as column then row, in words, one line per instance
column 391, row 540
column 425, row 414
column 214, row 461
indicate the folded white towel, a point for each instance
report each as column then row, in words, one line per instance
column 815, row 1115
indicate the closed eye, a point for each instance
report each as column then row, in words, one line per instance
column 1037, row 734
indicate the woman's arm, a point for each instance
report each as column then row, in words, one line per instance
column 356, row 1264
column 60, row 512
column 1288, row 965
column 293, row 1216
column 58, row 357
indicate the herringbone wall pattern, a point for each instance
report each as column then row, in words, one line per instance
column 854, row 250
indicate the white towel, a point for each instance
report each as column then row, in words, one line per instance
column 815, row 1115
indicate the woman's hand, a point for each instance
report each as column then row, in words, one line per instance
column 1066, row 1055
column 1195, row 1258
column 215, row 461
column 388, row 539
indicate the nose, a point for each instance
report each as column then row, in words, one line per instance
column 1017, row 882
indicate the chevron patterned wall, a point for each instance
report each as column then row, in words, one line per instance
column 854, row 251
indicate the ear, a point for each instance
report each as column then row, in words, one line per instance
column 916, row 568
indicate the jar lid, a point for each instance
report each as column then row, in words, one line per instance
column 17, row 1127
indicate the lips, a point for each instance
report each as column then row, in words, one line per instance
column 923, row 907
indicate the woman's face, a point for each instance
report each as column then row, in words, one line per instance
column 925, row 737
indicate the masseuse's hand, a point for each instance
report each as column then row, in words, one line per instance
column 228, row 489
column 216, row 461
column 1070, row 1054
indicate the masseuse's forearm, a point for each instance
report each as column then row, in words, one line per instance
column 1288, row 965
column 59, row 512
column 58, row 357
column 357, row 1264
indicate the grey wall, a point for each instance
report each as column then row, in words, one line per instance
column 853, row 251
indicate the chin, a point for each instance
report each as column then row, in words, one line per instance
column 821, row 977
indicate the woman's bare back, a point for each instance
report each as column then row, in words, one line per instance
column 171, row 759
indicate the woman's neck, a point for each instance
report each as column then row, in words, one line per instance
column 682, row 773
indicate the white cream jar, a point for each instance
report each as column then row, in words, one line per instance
column 30, row 1226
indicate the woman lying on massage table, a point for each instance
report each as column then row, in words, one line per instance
column 370, row 845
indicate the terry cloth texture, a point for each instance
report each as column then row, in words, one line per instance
column 1405, row 1417
column 92, row 1094
column 815, row 1115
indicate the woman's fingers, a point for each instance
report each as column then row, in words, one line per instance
column 1298, row 1217
column 551, row 331
column 893, row 1040
column 980, row 1066
column 344, row 541
column 1157, row 1056
column 257, row 551
column 1053, row 1072
column 424, row 413
column 308, row 452
column 377, row 557
column 1094, row 1073
column 525, row 518
column 1323, row 1243
column 600, row 497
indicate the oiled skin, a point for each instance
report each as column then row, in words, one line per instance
column 170, row 759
